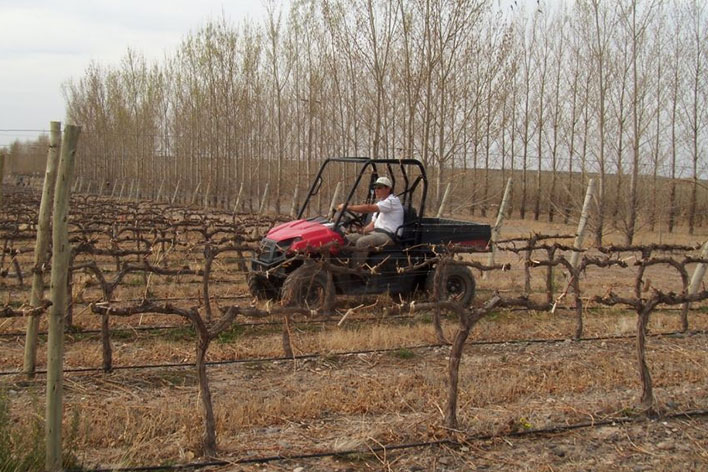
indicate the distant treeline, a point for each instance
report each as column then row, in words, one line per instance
column 553, row 91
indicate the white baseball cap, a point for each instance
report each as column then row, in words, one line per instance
column 383, row 181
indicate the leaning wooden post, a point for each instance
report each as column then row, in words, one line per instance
column 174, row 195
column 264, row 200
column 583, row 223
column 335, row 198
column 698, row 273
column 61, row 253
column 206, row 195
column 159, row 190
column 41, row 246
column 2, row 174
column 444, row 201
column 496, row 230
column 238, row 197
column 194, row 194
column 293, row 209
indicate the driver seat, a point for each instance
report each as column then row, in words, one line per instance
column 405, row 234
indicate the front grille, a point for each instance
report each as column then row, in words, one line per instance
column 269, row 251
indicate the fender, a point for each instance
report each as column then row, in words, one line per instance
column 301, row 235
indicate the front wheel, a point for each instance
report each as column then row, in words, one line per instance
column 309, row 286
column 457, row 284
column 262, row 287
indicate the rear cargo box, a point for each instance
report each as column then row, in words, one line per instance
column 443, row 231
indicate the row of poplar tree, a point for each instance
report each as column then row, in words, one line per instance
column 549, row 93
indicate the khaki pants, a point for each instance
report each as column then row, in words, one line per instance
column 363, row 242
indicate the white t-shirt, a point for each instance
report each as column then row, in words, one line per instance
column 390, row 215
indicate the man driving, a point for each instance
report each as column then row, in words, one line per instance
column 387, row 218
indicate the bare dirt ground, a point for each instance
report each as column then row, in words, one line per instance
column 357, row 402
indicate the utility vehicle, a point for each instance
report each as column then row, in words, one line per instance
column 277, row 271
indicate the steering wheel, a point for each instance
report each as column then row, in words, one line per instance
column 350, row 219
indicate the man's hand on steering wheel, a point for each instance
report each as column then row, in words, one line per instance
column 350, row 220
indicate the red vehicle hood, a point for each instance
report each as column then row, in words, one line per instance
column 307, row 234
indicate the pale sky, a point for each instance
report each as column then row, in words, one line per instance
column 44, row 43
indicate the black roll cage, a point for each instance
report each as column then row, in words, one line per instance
column 406, row 195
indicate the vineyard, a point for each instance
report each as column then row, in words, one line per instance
column 568, row 358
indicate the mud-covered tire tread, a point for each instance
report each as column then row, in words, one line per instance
column 260, row 287
column 302, row 277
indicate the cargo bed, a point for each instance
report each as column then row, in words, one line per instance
column 445, row 231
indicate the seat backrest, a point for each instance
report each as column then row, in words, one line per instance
column 409, row 214
column 407, row 230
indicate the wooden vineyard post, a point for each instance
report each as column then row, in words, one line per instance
column 294, row 208
column 41, row 246
column 264, row 200
column 335, row 198
column 444, row 201
column 206, row 195
column 158, row 197
column 60, row 268
column 238, row 197
column 496, row 229
column 2, row 174
column 195, row 193
column 698, row 273
column 583, row 223
column 174, row 194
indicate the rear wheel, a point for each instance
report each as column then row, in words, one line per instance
column 309, row 286
column 457, row 284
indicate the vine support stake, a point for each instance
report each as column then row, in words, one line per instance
column 206, row 195
column 159, row 190
column 698, row 273
column 496, row 229
column 60, row 267
column 238, row 196
column 583, row 223
column 174, row 194
column 264, row 200
column 293, row 209
column 443, row 203
column 41, row 246
column 2, row 173
column 335, row 198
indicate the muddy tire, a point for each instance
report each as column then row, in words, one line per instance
column 262, row 287
column 457, row 284
column 310, row 287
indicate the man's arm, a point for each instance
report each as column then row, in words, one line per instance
column 362, row 208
